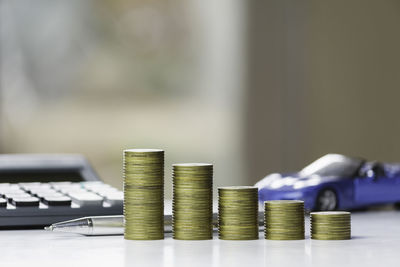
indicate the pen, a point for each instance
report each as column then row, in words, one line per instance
column 111, row 225
column 97, row 225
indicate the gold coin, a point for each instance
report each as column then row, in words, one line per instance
column 143, row 194
column 284, row 219
column 192, row 201
column 332, row 225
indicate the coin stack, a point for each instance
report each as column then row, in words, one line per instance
column 331, row 225
column 144, row 194
column 238, row 213
column 192, row 201
column 284, row 219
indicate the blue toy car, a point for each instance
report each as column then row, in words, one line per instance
column 336, row 182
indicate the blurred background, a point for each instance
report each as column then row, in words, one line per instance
column 251, row 86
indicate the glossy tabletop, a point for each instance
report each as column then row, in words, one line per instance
column 376, row 242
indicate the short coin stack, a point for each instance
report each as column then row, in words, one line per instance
column 192, row 201
column 331, row 225
column 238, row 213
column 284, row 219
column 144, row 194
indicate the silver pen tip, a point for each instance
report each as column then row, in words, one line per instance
column 49, row 228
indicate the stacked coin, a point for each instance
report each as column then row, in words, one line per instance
column 238, row 213
column 144, row 194
column 331, row 225
column 284, row 219
column 192, row 201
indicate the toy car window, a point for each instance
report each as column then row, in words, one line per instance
column 332, row 165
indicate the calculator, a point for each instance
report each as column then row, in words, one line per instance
column 40, row 189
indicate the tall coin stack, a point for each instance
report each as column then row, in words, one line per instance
column 284, row 219
column 331, row 225
column 144, row 194
column 238, row 213
column 192, row 201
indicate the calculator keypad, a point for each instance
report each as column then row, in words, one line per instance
column 57, row 194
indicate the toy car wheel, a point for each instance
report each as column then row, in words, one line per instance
column 326, row 200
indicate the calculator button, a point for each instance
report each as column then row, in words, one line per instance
column 3, row 202
column 96, row 186
column 17, row 195
column 29, row 184
column 75, row 188
column 86, row 199
column 115, row 198
column 25, row 202
column 57, row 201
column 106, row 192
column 43, row 191
column 6, row 191
column 92, row 183
column 10, row 187
column 48, row 194
column 59, row 183
column 41, row 187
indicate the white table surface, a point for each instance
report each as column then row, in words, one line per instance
column 376, row 242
